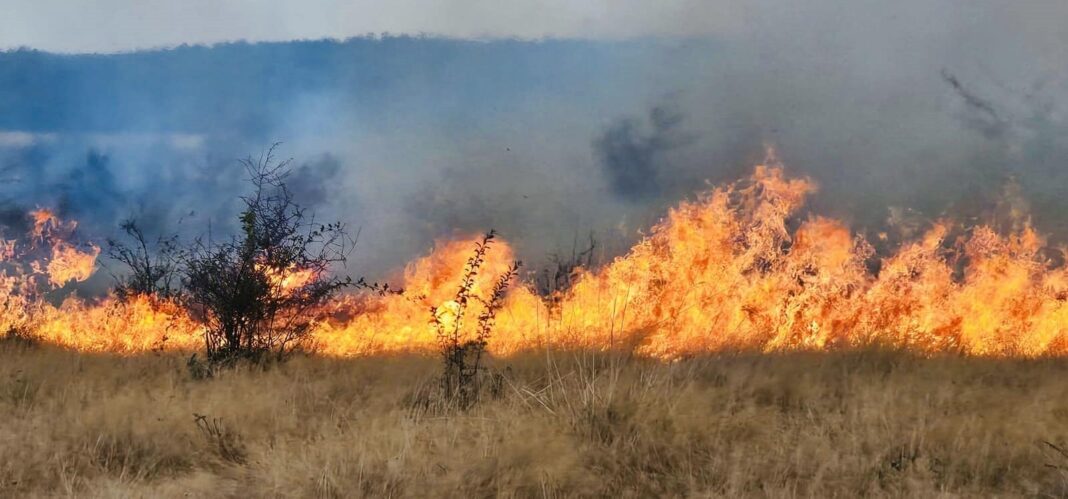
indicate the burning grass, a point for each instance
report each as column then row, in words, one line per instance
column 934, row 369
column 566, row 423
column 742, row 267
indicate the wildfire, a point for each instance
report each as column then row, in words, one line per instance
column 733, row 270
column 43, row 219
column 290, row 279
column 70, row 264
column 138, row 324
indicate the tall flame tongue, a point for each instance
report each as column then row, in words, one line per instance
column 66, row 262
column 394, row 322
column 724, row 272
column 70, row 264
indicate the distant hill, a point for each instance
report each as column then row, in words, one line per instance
column 243, row 86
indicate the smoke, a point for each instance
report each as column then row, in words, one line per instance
column 91, row 188
column 166, row 190
column 926, row 108
column 630, row 154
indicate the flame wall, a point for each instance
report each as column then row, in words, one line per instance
column 736, row 269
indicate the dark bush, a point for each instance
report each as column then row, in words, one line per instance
column 151, row 270
column 259, row 293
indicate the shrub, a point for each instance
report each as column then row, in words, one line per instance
column 152, row 271
column 462, row 377
column 260, row 292
column 222, row 440
column 562, row 271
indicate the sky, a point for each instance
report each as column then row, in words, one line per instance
column 544, row 120
column 123, row 25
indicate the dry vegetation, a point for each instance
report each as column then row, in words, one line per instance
column 562, row 424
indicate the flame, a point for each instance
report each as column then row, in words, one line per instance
column 137, row 324
column 43, row 218
column 739, row 268
column 290, row 279
column 70, row 264
column 66, row 262
column 402, row 322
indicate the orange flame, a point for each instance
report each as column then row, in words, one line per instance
column 42, row 219
column 290, row 279
column 733, row 270
column 399, row 322
column 138, row 324
column 70, row 264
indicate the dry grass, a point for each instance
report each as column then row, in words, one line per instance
column 566, row 424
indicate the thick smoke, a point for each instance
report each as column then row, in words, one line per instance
column 897, row 109
column 99, row 189
column 630, row 154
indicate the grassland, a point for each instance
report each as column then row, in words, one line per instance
column 562, row 424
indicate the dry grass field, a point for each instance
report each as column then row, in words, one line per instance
column 562, row 424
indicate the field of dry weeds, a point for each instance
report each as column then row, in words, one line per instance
column 561, row 424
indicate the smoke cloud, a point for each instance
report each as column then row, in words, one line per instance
column 927, row 108
column 630, row 156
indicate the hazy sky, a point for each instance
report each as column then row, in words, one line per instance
column 125, row 25
column 411, row 139
column 122, row 25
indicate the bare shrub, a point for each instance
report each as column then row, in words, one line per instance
column 198, row 368
column 562, row 271
column 152, row 268
column 260, row 292
column 225, row 443
column 463, row 370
